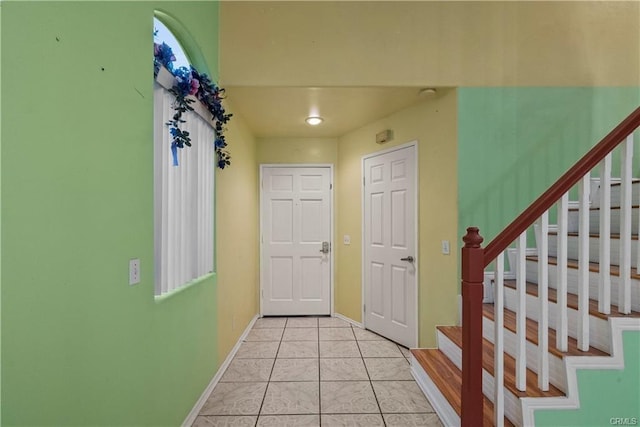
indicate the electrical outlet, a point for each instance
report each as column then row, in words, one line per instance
column 445, row 247
column 346, row 239
column 134, row 271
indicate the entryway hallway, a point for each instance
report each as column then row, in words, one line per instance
column 316, row 371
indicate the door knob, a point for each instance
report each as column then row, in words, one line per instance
column 409, row 258
column 325, row 248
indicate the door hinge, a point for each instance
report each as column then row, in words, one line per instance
column 330, row 186
column 363, row 181
column 364, row 308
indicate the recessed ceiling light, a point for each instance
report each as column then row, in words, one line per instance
column 314, row 120
column 428, row 91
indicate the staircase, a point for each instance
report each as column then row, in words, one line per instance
column 561, row 305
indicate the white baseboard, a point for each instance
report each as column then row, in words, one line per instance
column 191, row 417
column 346, row 319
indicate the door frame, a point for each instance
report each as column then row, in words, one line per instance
column 331, row 224
column 414, row 144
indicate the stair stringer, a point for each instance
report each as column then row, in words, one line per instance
column 445, row 411
column 573, row 364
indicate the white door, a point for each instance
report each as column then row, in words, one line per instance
column 296, row 240
column 389, row 241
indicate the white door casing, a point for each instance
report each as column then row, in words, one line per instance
column 295, row 221
column 390, row 244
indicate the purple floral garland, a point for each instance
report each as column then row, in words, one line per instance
column 190, row 83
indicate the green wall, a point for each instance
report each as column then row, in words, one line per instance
column 79, row 345
column 604, row 394
column 515, row 142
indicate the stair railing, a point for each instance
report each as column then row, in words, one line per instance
column 475, row 259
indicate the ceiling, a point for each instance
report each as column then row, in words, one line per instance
column 281, row 111
column 357, row 61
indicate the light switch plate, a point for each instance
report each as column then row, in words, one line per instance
column 134, row 271
column 445, row 247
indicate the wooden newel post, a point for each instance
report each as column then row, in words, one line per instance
column 472, row 294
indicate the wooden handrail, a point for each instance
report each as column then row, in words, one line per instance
column 561, row 186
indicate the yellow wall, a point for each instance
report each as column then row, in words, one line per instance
column 298, row 150
column 237, row 240
column 430, row 43
column 433, row 124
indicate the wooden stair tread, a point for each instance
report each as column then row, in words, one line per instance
column 532, row 334
column 618, row 183
column 454, row 333
column 615, row 236
column 448, row 378
column 597, row 208
column 594, row 267
column 572, row 301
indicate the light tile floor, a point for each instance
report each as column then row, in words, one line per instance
column 307, row 371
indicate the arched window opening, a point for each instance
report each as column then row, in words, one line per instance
column 183, row 195
column 162, row 34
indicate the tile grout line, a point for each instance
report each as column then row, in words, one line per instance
column 384, row 423
column 271, row 373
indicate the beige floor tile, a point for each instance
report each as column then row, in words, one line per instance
column 401, row 396
column 270, row 322
column 225, row 421
column 258, row 350
column 352, row 420
column 336, row 334
column 235, row 399
column 289, row 421
column 379, row 349
column 274, row 334
column 393, row 368
column 291, row 398
column 412, row 420
column 298, row 349
column 302, row 322
column 333, row 322
column 300, row 334
column 339, row 349
column 295, row 370
column 347, row 397
column 343, row 369
column 248, row 370
column 364, row 335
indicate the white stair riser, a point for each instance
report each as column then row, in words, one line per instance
column 443, row 408
column 615, row 194
column 594, row 221
column 557, row 373
column 598, row 328
column 594, row 249
column 512, row 405
column 572, row 283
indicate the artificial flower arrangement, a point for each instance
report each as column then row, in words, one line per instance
column 191, row 84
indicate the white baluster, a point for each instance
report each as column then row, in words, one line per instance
column 562, row 322
column 521, row 313
column 498, row 307
column 624, row 287
column 583, row 264
column 543, row 300
column 604, row 281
